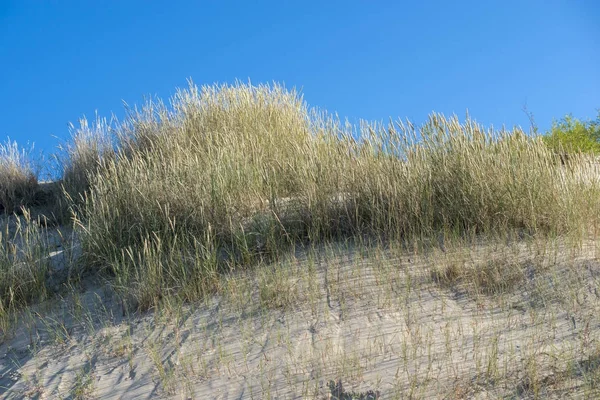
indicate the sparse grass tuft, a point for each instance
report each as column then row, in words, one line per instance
column 23, row 266
column 79, row 161
column 278, row 287
column 337, row 392
column 490, row 277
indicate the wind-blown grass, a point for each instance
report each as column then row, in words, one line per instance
column 18, row 177
column 78, row 161
column 239, row 173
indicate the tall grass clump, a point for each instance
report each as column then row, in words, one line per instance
column 213, row 166
column 79, row 161
column 453, row 177
column 224, row 176
column 18, row 177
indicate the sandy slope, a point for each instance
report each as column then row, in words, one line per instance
column 376, row 321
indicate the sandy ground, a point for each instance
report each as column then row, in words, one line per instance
column 376, row 320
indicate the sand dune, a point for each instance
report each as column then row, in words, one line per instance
column 375, row 321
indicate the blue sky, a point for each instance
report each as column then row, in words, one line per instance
column 62, row 59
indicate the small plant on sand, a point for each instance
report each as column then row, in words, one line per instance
column 337, row 392
column 494, row 276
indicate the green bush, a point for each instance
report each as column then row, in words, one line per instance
column 571, row 135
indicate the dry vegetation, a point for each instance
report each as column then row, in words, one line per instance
column 18, row 181
column 236, row 244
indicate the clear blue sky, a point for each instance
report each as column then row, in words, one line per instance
column 62, row 59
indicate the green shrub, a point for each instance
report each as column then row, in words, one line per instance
column 570, row 135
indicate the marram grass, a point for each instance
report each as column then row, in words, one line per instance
column 476, row 247
column 18, row 178
column 241, row 173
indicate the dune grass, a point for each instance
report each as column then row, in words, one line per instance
column 18, row 177
column 242, row 192
column 241, row 173
column 226, row 177
column 24, row 267
column 77, row 161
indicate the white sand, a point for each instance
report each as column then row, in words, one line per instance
column 376, row 322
